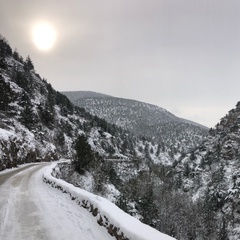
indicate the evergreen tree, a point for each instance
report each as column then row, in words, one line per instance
column 28, row 117
column 17, row 57
column 84, row 154
column 223, row 230
column 209, row 205
column 5, row 96
column 158, row 150
column 148, row 209
column 28, row 65
column 5, row 49
column 147, row 151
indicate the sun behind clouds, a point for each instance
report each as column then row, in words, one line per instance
column 44, row 36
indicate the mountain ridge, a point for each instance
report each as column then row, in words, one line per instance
column 141, row 118
column 74, row 96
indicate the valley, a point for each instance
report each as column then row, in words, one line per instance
column 174, row 175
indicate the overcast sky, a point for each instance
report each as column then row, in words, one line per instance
column 182, row 55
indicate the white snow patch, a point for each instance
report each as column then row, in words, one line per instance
column 128, row 225
column 5, row 135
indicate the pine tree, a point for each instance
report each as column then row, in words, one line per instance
column 158, row 150
column 17, row 57
column 84, row 154
column 5, row 96
column 28, row 117
column 5, row 49
column 148, row 208
column 146, row 150
column 28, row 65
column 223, row 230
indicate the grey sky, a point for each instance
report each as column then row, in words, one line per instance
column 180, row 55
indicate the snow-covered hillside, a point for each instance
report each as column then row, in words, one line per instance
column 141, row 118
column 36, row 205
column 155, row 177
column 39, row 124
column 107, row 214
column 211, row 176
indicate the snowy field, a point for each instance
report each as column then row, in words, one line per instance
column 31, row 209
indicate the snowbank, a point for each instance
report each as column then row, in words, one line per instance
column 118, row 223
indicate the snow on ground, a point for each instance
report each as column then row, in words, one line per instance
column 76, row 223
column 31, row 209
column 111, row 193
column 132, row 228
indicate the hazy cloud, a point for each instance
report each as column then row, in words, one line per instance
column 181, row 55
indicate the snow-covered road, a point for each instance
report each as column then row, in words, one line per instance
column 31, row 209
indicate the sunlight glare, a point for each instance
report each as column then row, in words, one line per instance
column 44, row 36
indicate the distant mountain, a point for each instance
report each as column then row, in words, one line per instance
column 74, row 95
column 141, row 118
column 117, row 109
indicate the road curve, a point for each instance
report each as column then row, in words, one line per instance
column 32, row 210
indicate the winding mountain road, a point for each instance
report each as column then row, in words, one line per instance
column 32, row 210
